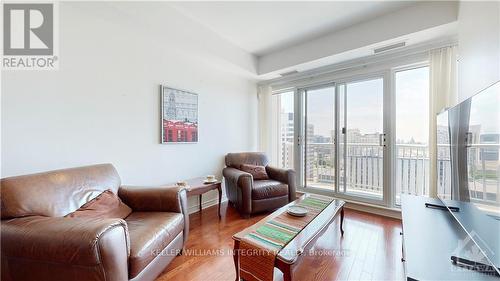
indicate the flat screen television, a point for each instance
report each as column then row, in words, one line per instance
column 468, row 172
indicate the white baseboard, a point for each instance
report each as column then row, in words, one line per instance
column 209, row 203
column 373, row 209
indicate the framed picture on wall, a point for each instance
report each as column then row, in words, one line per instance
column 179, row 116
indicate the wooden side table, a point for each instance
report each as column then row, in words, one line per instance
column 196, row 186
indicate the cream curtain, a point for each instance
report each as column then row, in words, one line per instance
column 443, row 94
column 264, row 119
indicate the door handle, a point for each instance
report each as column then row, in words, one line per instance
column 468, row 139
column 381, row 139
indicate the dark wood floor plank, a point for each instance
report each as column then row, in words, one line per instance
column 369, row 250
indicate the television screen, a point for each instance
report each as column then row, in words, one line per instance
column 468, row 169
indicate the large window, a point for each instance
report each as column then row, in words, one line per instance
column 284, row 128
column 338, row 135
column 412, row 132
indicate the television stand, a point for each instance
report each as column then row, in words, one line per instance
column 430, row 238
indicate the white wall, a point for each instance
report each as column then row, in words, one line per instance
column 102, row 105
column 479, row 46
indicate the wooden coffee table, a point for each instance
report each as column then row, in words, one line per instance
column 196, row 186
column 292, row 252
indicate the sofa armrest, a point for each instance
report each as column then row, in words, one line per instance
column 153, row 198
column 78, row 242
column 286, row 176
column 157, row 199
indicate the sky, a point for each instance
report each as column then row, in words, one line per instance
column 485, row 110
column 412, row 105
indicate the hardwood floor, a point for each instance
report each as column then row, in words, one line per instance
column 369, row 250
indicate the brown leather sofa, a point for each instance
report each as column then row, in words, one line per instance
column 39, row 243
column 249, row 196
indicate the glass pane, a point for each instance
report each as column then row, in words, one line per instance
column 412, row 132
column 363, row 153
column 444, row 176
column 320, row 130
column 483, row 150
column 285, row 129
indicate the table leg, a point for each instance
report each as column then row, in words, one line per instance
column 286, row 268
column 200, row 203
column 287, row 275
column 342, row 221
column 236, row 258
column 220, row 198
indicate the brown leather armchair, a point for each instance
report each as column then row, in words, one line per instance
column 39, row 243
column 249, row 196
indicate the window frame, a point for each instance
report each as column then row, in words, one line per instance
column 394, row 70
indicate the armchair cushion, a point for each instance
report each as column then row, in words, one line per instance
column 265, row 189
column 106, row 205
column 257, row 172
column 150, row 233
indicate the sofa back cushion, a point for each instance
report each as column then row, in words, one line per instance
column 55, row 193
column 107, row 205
column 235, row 160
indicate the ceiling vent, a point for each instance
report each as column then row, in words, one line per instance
column 288, row 73
column 390, row 47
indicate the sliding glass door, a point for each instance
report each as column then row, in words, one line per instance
column 340, row 138
column 319, row 131
column 362, row 138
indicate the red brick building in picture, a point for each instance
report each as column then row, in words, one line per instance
column 179, row 131
column 179, row 116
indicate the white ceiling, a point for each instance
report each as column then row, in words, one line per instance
column 263, row 27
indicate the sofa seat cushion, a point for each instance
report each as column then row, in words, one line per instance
column 265, row 189
column 150, row 233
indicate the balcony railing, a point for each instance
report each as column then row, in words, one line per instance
column 483, row 169
column 362, row 169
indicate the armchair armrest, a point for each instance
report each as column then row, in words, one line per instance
column 286, row 176
column 236, row 176
column 242, row 182
column 157, row 199
column 62, row 243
